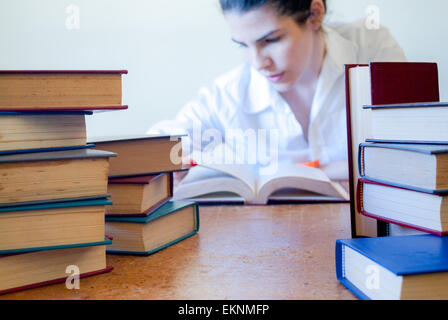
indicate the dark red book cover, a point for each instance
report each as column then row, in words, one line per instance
column 404, row 82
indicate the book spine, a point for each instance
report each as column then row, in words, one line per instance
column 340, row 271
column 361, row 161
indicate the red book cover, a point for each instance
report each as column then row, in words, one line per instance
column 404, row 82
column 60, row 280
column 390, row 83
column 359, row 196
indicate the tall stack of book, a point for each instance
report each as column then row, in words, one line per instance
column 53, row 186
column 402, row 183
column 143, row 218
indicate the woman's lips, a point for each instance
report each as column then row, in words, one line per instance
column 276, row 77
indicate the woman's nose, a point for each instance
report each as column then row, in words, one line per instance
column 259, row 59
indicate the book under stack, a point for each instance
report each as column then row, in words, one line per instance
column 402, row 182
column 53, row 186
column 143, row 218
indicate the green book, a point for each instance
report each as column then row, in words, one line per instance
column 52, row 225
column 172, row 222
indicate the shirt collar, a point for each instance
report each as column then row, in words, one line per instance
column 340, row 51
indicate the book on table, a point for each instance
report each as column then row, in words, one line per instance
column 172, row 222
column 142, row 155
column 240, row 183
column 411, row 267
column 26, row 270
column 407, row 207
column 380, row 83
column 30, row 227
column 139, row 196
column 69, row 90
column 53, row 176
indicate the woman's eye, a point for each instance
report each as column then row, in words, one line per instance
column 272, row 40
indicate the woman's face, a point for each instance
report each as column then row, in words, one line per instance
column 275, row 45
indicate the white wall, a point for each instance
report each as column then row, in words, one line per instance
column 172, row 48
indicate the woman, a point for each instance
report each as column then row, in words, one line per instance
column 292, row 84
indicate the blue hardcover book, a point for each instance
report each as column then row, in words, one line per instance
column 419, row 167
column 419, row 122
column 172, row 222
column 389, row 268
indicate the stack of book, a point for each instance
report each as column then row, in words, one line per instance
column 53, row 186
column 402, row 182
column 143, row 218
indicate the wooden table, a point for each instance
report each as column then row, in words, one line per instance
column 241, row 252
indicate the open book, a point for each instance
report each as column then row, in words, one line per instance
column 238, row 182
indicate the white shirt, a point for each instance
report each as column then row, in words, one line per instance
column 243, row 99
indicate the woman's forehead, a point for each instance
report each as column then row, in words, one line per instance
column 254, row 24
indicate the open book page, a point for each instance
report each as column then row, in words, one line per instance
column 202, row 181
column 290, row 175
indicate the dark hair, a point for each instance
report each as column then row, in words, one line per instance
column 298, row 9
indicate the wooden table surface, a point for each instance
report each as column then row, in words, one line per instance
column 241, row 252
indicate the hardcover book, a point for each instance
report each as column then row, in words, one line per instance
column 426, row 212
column 44, row 176
column 391, row 268
column 210, row 183
column 169, row 224
column 43, row 226
column 69, row 90
column 142, row 155
column 376, row 84
column 41, row 130
column 409, row 122
column 33, row 269
column 139, row 196
column 417, row 166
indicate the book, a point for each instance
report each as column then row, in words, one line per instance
column 409, row 122
column 411, row 267
column 220, row 183
column 172, row 222
column 42, row 130
column 70, row 90
column 142, row 155
column 421, row 167
column 30, row 227
column 426, row 212
column 139, row 196
column 380, row 83
column 21, row 271
column 45, row 176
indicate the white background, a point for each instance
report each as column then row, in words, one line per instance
column 172, row 48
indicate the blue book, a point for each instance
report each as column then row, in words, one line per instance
column 419, row 167
column 172, row 222
column 389, row 268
